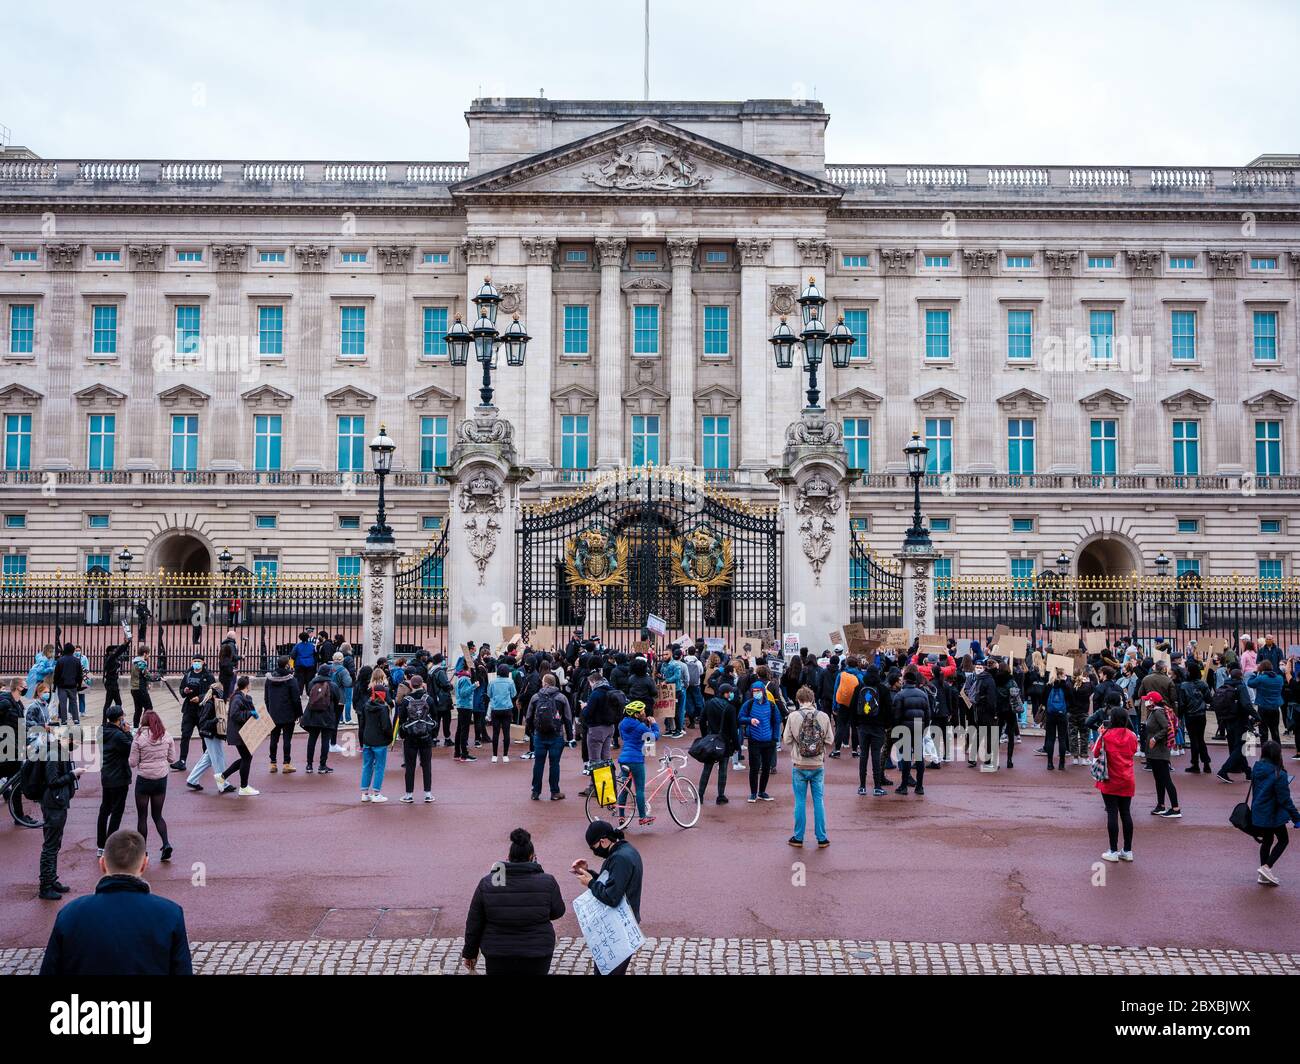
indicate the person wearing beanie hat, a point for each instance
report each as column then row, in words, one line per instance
column 620, row 876
column 114, row 774
column 1160, row 726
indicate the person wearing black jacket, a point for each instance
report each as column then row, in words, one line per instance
column 1237, row 724
column 416, row 726
column 620, row 875
column 228, row 664
column 440, row 692
column 1193, row 700
column 319, row 718
column 511, row 914
column 114, row 657
column 600, row 717
column 913, row 709
column 60, row 778
column 214, row 745
column 67, row 680
column 194, row 686
column 984, row 709
column 284, row 703
column 871, row 712
column 720, row 719
column 114, row 773
column 13, row 717
column 641, row 686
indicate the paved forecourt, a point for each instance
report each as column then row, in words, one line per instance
column 1001, row 858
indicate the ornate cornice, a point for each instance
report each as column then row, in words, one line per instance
column 540, row 250
column 478, row 250
column 753, row 250
column 1142, row 260
column 979, row 260
column 146, row 257
column 312, row 257
column 813, row 252
column 230, row 257
column 644, row 282
column 1060, row 262
column 63, row 256
column 897, row 260
column 681, row 250
column 395, row 257
column 1224, row 263
column 610, row 250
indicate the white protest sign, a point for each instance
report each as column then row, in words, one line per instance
column 789, row 644
column 611, row 934
column 656, row 624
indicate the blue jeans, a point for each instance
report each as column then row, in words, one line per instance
column 680, row 718
column 695, row 702
column 347, row 705
column 214, row 757
column 373, row 761
column 636, row 770
column 803, row 778
column 541, row 749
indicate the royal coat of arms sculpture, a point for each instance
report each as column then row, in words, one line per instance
column 595, row 560
column 702, row 560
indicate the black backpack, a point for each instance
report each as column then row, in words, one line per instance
column 1224, row 703
column 32, row 779
column 1193, row 698
column 419, row 724
column 546, row 716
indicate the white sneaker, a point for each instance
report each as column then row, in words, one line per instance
column 365, row 796
column 335, row 748
column 1110, row 855
column 1126, row 855
column 505, row 760
column 383, row 798
column 428, row 798
column 408, row 798
column 494, row 759
column 248, row 792
column 219, row 780
column 1266, row 875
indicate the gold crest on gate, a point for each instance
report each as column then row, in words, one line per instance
column 595, row 560
column 702, row 560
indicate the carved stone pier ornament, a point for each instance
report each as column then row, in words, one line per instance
column 817, row 503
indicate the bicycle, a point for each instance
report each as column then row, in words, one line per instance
column 10, row 793
column 683, row 799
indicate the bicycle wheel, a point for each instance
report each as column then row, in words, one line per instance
column 31, row 810
column 683, row 802
column 594, row 810
column 620, row 814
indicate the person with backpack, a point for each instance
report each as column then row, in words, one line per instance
column 1193, row 700
column 501, row 696
column 913, row 708
column 1159, row 728
column 1266, row 683
column 760, row 720
column 375, row 733
column 114, row 774
column 440, row 693
column 547, row 713
column 511, row 914
column 1113, row 754
column 870, row 714
column 153, row 752
column 303, row 657
column 50, row 778
column 983, row 692
column 321, row 716
column 694, row 688
column 847, row 681
column 141, row 677
column 601, row 715
column 808, row 735
column 1235, row 711
column 416, row 726
column 1056, row 717
column 1271, row 808
column 241, row 712
column 211, row 732
column 283, row 695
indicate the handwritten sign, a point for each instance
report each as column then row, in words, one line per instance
column 789, row 644
column 612, row 934
column 656, row 624
column 641, row 647
column 542, row 637
column 1094, row 642
column 1059, row 661
column 715, row 644
column 837, row 638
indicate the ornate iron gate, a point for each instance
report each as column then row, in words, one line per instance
column 649, row 540
column 875, row 589
column 420, row 593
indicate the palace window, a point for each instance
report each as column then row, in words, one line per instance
column 1186, row 566
column 645, row 439
column 352, row 335
column 437, row 258
column 97, row 521
column 1020, row 334
column 857, row 443
column 1268, row 448
column 433, row 443
column 1270, row 526
column 266, row 521
column 1103, row 446
column 270, row 256
column 715, row 438
column 15, row 520
column 941, row 524
column 24, row 255
column 645, row 336
column 185, row 442
column 354, row 257
column 1187, row 448
column 348, row 567
column 189, row 321
column 938, row 437
column 577, row 317
column 1101, row 331
column 100, row 441
column 1263, row 262
column 937, row 329
column 349, row 522
column 1019, row 262
column 266, row 442
column 1182, row 262
column 98, row 561
column 574, row 442
column 270, row 330
column 104, row 329
column 1189, row 526
column 1020, row 446
column 108, row 256
column 352, row 443
column 1265, row 335
column 938, row 262
column 22, row 328
column 189, row 256
column 716, row 330
column 858, row 322
column 18, row 441
column 435, row 331
column 1182, row 335
column 1022, row 524
column 856, row 262
column 1101, row 262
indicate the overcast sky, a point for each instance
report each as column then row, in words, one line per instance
column 1139, row 81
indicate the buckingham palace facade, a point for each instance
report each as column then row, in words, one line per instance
column 1102, row 359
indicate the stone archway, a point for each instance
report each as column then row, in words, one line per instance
column 1107, row 555
column 181, row 552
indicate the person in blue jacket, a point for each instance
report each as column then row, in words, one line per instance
column 1271, row 807
column 121, row 929
column 632, row 730
column 760, row 720
column 1267, row 683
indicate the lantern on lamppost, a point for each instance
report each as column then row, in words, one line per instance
column 814, row 338
column 381, row 451
column 486, row 338
column 918, row 536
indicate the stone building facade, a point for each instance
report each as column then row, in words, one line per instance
column 1104, row 359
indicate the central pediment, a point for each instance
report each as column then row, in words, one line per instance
column 646, row 158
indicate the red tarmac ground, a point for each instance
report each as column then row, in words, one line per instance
column 1004, row 857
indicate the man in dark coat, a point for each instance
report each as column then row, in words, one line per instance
column 284, row 703
column 68, row 678
column 720, row 719
column 114, row 773
column 194, row 686
column 121, row 929
column 60, row 779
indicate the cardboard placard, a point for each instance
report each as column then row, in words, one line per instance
column 932, row 643
column 641, row 646
column 666, row 701
column 1080, row 660
column 789, row 644
column 1094, row 642
column 854, row 631
column 760, row 635
column 686, row 642
column 1161, row 655
column 895, row 638
column 656, row 624
column 517, row 733
column 715, row 644
column 611, row 934
column 837, row 638
column 999, row 631
column 1059, row 661
column 1293, row 651
column 1068, row 640
column 542, row 637
column 255, row 730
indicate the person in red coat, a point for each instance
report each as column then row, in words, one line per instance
column 1119, row 786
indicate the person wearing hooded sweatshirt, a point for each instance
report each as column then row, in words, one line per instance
column 913, row 707
column 1120, row 743
column 621, row 872
column 375, row 733
column 284, row 704
column 195, row 684
column 416, row 725
column 511, row 914
column 115, row 746
column 1271, row 808
column 719, row 718
column 641, row 686
column 463, row 696
column 114, row 658
column 501, row 695
column 41, row 668
column 320, row 717
column 760, row 720
column 548, row 714
column 141, row 677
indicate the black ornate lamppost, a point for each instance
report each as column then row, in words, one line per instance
column 224, row 560
column 917, row 539
column 381, row 450
column 124, row 560
column 814, row 338
column 1162, row 564
column 487, row 339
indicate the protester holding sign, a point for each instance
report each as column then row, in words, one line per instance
column 620, row 876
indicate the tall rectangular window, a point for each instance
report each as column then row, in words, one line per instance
column 1101, row 331
column 22, row 328
column 576, row 325
column 352, row 325
column 858, row 322
column 1182, row 335
column 435, row 331
column 942, row 577
column 185, row 442
column 857, row 442
column 104, row 325
column 938, row 437
column 1103, row 440
column 1020, row 446
column 1020, row 334
column 189, row 320
column 574, row 442
column 1270, row 577
column 266, row 442
column 348, row 567
column 645, row 439
column 352, row 443
column 645, row 330
column 1268, row 448
column 1187, row 448
column 101, row 439
column 433, row 443
column 717, row 322
column 1186, row 566
column 937, row 328
column 18, row 441
column 270, row 330
column 715, row 438
column 1265, row 334
column 1022, row 575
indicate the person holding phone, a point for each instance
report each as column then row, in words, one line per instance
column 620, row 876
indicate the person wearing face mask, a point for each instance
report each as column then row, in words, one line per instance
column 194, row 686
column 620, row 875
column 114, row 774
column 719, row 718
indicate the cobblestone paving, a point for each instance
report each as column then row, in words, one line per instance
column 706, row 956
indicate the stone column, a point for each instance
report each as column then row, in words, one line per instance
column 309, row 414
column 1142, row 265
column 1062, row 449
column 918, row 590
column 378, row 600
column 1226, row 440
column 539, row 361
column 814, row 481
column 980, row 361
column 681, row 376
column 754, row 357
column 234, row 365
column 611, row 356
column 483, row 504
column 901, row 358
column 57, row 426
column 141, row 405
